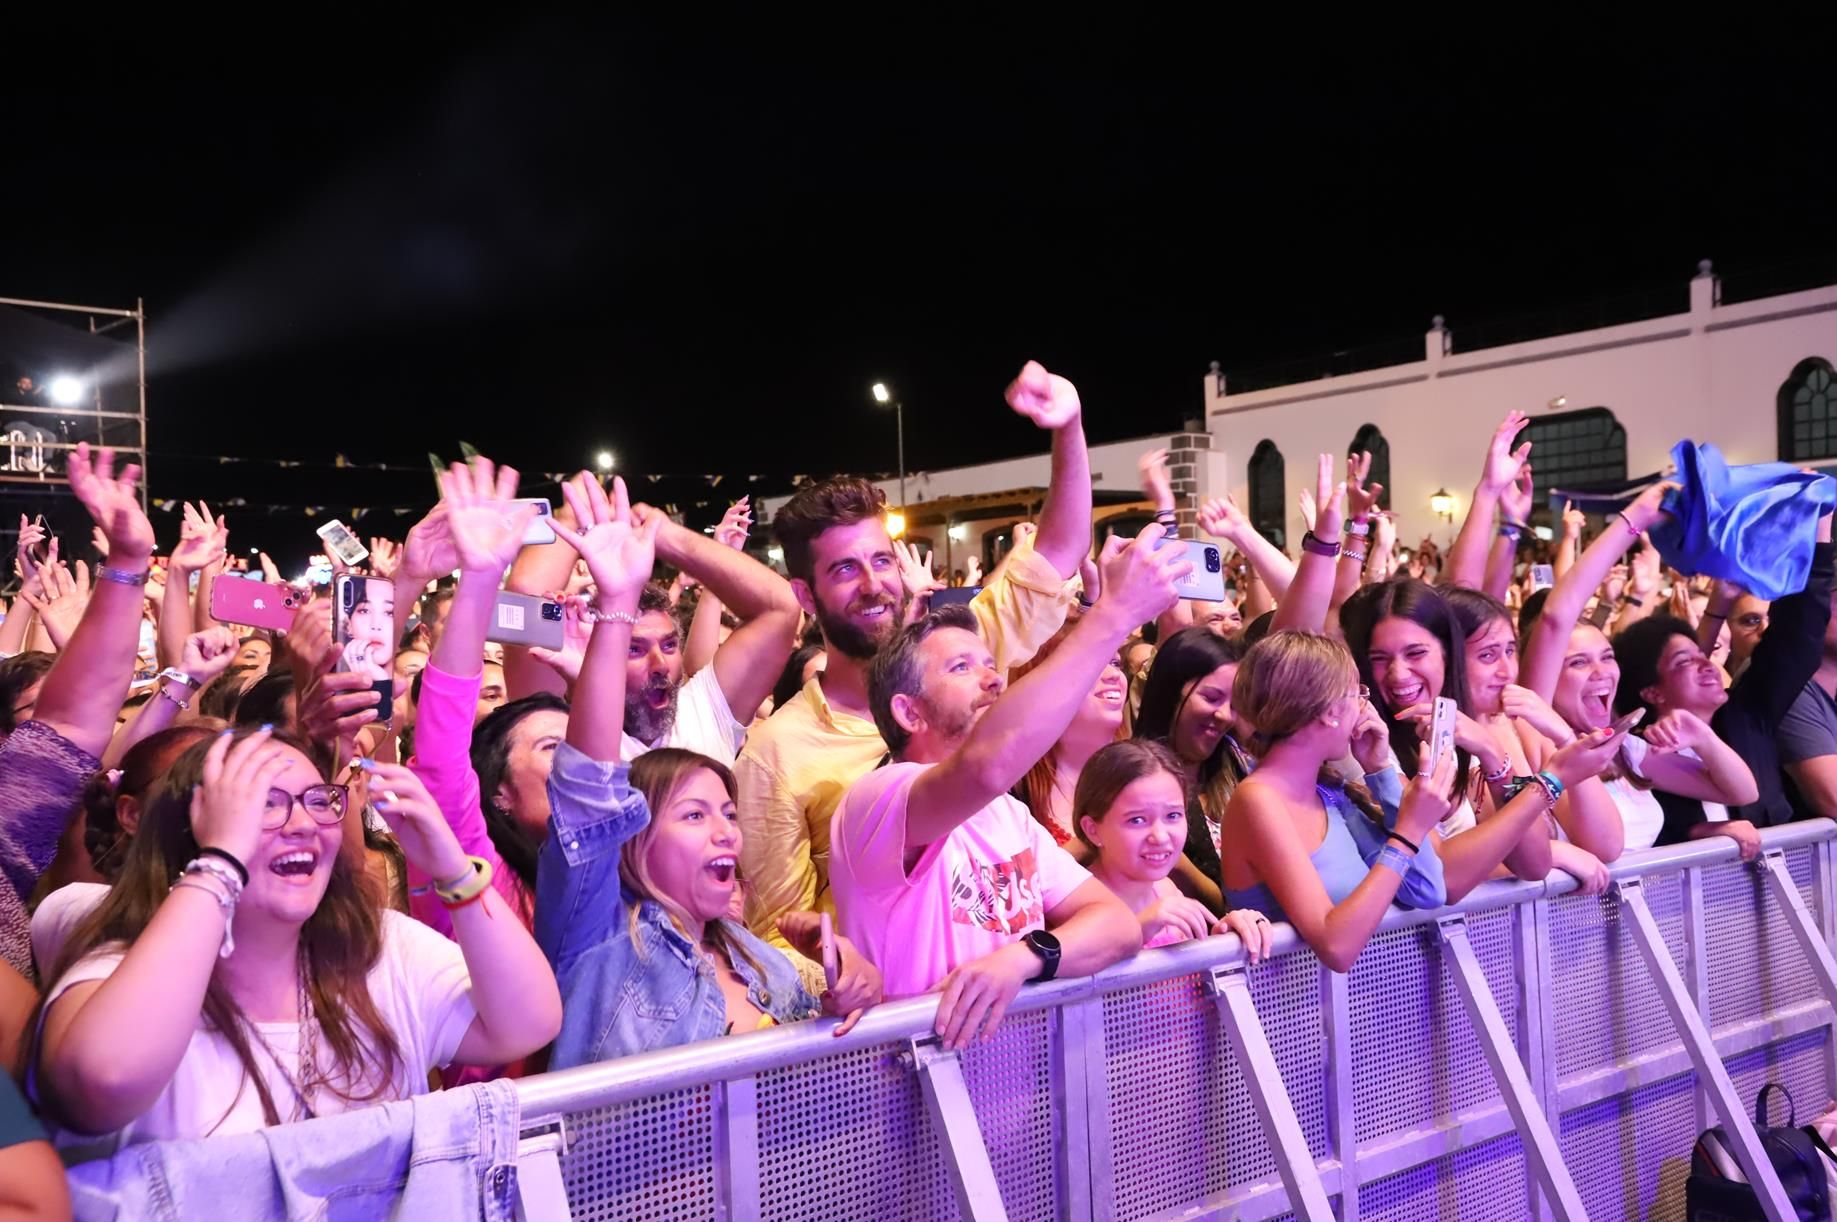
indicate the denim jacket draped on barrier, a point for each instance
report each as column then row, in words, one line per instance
column 626, row 986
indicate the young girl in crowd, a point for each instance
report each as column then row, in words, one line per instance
column 268, row 983
column 638, row 872
column 1130, row 807
column 1308, row 852
column 1186, row 704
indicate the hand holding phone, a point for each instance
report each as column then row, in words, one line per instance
column 1623, row 724
column 1543, row 576
column 832, row 956
column 343, row 544
column 1441, row 731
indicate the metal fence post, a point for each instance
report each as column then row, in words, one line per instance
column 1081, row 1095
column 1230, row 986
column 953, row 1118
column 1342, row 1117
column 1530, row 936
column 1541, row 1151
column 1702, row 1049
column 541, row 1195
column 1772, row 865
column 736, row 1149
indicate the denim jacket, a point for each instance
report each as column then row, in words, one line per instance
column 619, row 995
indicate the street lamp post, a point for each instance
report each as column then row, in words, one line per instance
column 883, row 397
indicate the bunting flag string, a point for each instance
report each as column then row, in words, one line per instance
column 343, row 462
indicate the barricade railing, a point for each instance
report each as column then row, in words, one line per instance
column 1527, row 1052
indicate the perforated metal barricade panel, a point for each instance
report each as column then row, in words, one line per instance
column 1183, row 1126
column 1755, row 966
column 1010, row 1081
column 1416, row 1061
column 1480, row 1184
column 1630, row 1154
column 647, row 1159
column 1605, row 1008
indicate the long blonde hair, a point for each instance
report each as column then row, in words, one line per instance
column 660, row 775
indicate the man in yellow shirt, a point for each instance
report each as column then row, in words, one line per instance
column 797, row 765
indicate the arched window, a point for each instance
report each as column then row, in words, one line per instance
column 1268, row 493
column 1370, row 437
column 1573, row 450
column 1808, row 412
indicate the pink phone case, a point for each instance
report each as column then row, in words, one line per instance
column 254, row 604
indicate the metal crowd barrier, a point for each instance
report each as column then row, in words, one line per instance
column 1525, row 1053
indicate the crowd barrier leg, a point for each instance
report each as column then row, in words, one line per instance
column 1711, row 1073
column 736, row 1149
column 1542, row 1153
column 1779, row 880
column 1230, row 986
column 953, row 1119
column 541, row 1196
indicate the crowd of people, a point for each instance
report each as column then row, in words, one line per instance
column 247, row 891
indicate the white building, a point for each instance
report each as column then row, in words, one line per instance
column 1606, row 405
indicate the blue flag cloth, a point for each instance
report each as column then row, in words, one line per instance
column 1752, row 524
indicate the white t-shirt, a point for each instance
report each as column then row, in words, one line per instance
column 1639, row 809
column 422, row 992
column 986, row 885
column 703, row 722
column 57, row 915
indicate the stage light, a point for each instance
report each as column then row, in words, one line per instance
column 66, row 391
column 881, row 394
column 605, row 460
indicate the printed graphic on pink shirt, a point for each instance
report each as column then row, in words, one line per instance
column 1003, row 898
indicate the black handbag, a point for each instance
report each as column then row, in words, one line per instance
column 1718, row 1191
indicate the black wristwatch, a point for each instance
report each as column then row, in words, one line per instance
column 1046, row 947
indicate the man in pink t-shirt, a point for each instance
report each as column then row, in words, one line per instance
column 940, row 877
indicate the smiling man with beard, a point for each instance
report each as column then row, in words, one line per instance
column 796, row 766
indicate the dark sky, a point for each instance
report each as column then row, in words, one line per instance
column 701, row 247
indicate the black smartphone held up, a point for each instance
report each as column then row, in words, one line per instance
column 41, row 551
column 363, row 624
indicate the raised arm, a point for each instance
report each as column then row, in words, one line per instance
column 620, row 551
column 1220, row 516
column 543, row 570
column 197, row 550
column 704, row 636
column 1311, row 593
column 750, row 662
column 1514, row 521
column 1138, row 582
column 19, row 615
column 1544, row 647
column 1466, row 565
column 1359, row 546
column 1718, row 774
column 204, row 656
column 1051, row 402
column 84, row 691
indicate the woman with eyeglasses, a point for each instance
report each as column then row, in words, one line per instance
column 243, row 973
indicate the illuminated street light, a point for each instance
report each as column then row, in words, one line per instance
column 880, row 393
column 1441, row 502
column 896, row 524
column 605, row 460
column 66, row 391
column 959, row 533
column 883, row 396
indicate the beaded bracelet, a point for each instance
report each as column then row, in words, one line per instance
column 242, row 871
column 1503, row 771
column 1553, row 788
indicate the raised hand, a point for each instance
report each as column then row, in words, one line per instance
column 1502, row 462
column 1676, row 730
column 271, row 572
column 208, row 654
column 1648, row 509
column 1515, row 498
column 1090, row 580
column 1047, row 399
column 915, row 571
column 228, row 806
column 60, row 599
column 1644, row 570
column 199, row 543
column 972, row 571
column 1616, row 583
column 736, row 524
column 1139, row 580
column 1573, row 521
column 618, row 554
column 1427, row 799
column 1221, row 518
column 1329, row 501
column 414, row 818
column 31, row 534
column 385, row 558
column 98, row 540
column 486, row 537
column 429, row 551
column 1360, row 499
column 1157, row 485
column 112, row 504
column 1527, row 706
column 576, row 631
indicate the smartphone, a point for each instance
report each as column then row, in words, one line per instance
column 1441, row 732
column 343, row 544
column 363, row 625
column 524, row 619
column 254, row 604
column 949, row 595
column 41, row 551
column 832, row 958
column 1206, row 583
column 1543, row 576
column 540, row 528
column 1623, row 724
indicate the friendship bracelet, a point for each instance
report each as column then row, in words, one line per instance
column 593, row 615
column 1627, row 522
column 242, row 871
column 1553, row 788
column 122, row 577
column 1499, row 774
column 218, row 870
column 1392, row 857
column 1358, row 556
column 226, row 903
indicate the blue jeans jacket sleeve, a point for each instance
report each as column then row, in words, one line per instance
column 1423, row 886
column 593, row 811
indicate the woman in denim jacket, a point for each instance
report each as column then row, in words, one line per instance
column 634, row 911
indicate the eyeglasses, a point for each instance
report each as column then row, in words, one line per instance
column 325, row 803
column 1363, row 693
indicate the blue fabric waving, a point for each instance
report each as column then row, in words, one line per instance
column 1751, row 524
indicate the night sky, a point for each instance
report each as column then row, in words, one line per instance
column 700, row 248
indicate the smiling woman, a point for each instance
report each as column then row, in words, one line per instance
column 313, row 999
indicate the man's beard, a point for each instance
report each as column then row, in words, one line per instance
column 643, row 722
column 842, row 634
column 948, row 727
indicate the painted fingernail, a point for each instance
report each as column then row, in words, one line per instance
column 366, row 763
column 267, row 727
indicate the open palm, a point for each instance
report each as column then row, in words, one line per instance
column 111, row 501
column 486, row 537
column 618, row 552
